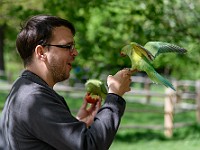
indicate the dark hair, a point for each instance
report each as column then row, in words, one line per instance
column 38, row 31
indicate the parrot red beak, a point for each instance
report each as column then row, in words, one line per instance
column 122, row 54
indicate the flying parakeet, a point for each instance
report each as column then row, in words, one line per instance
column 142, row 57
column 95, row 89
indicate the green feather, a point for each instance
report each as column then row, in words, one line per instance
column 96, row 87
column 157, row 48
column 157, row 78
column 141, row 58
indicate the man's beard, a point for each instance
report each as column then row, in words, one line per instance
column 58, row 72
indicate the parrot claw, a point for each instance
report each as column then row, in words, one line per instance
column 133, row 70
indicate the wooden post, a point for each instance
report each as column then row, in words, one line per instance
column 178, row 94
column 147, row 85
column 198, row 100
column 169, row 110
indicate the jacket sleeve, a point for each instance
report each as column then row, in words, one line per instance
column 107, row 121
column 52, row 123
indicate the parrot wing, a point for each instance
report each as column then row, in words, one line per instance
column 156, row 48
column 140, row 50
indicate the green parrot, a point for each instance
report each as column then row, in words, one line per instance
column 96, row 87
column 142, row 58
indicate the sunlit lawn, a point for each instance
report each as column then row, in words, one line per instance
column 185, row 138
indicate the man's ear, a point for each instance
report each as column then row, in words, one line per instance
column 40, row 53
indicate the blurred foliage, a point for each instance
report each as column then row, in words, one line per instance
column 105, row 26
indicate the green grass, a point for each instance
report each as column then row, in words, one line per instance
column 3, row 95
column 184, row 138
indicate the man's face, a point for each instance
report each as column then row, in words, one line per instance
column 60, row 60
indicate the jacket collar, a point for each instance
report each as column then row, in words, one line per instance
column 33, row 77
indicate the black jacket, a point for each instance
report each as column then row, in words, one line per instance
column 35, row 117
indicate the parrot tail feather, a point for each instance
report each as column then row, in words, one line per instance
column 157, row 78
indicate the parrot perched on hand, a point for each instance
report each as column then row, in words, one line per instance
column 142, row 58
column 95, row 89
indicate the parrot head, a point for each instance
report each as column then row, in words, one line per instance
column 126, row 50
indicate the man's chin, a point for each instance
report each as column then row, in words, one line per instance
column 63, row 78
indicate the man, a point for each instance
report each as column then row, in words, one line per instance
column 35, row 117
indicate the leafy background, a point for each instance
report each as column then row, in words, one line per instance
column 104, row 26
